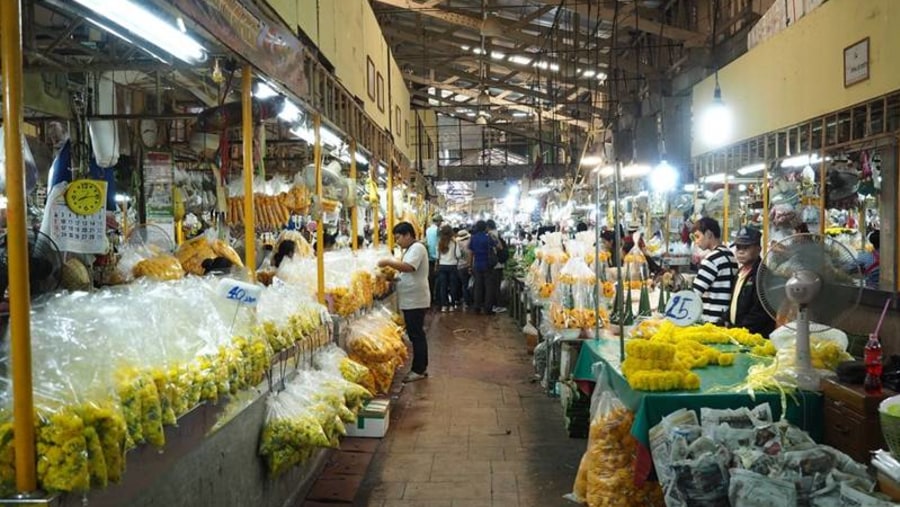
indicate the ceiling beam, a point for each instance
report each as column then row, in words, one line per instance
column 508, row 30
column 494, row 100
column 690, row 38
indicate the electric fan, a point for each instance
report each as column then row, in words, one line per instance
column 153, row 237
column 44, row 264
column 811, row 278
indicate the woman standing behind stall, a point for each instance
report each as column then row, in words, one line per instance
column 448, row 259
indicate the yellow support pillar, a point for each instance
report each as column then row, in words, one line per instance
column 726, row 202
column 247, row 144
column 765, row 196
column 390, row 206
column 376, row 234
column 354, row 226
column 19, row 292
column 320, row 225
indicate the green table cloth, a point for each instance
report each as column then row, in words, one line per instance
column 804, row 410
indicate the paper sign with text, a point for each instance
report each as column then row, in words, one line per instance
column 240, row 292
column 684, row 308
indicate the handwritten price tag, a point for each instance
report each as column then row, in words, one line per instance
column 684, row 308
column 240, row 292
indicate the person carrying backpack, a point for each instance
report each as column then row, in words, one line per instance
column 501, row 255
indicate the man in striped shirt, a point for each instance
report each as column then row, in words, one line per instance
column 715, row 276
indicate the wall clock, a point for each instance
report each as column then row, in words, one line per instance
column 85, row 197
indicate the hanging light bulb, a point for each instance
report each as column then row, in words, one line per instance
column 716, row 121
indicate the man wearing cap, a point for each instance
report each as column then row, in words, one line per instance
column 746, row 309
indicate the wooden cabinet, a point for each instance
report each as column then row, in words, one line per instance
column 851, row 419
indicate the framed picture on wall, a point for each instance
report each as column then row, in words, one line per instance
column 379, row 91
column 406, row 129
column 370, row 77
column 397, row 120
column 856, row 63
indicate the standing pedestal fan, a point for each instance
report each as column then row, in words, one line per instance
column 809, row 278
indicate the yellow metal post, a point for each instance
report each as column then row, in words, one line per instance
column 19, row 292
column 354, row 226
column 765, row 196
column 320, row 226
column 247, row 144
column 390, row 206
column 726, row 202
column 376, row 234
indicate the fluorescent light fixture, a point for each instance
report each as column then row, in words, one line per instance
column 496, row 55
column 591, row 160
column 751, row 169
column 179, row 21
column 554, row 67
column 690, row 187
column 520, row 114
column 541, row 65
column 664, row 178
column 601, row 76
column 264, row 91
column 382, row 169
column 635, row 170
column 605, row 171
column 715, row 178
column 121, row 198
column 477, row 51
column 465, row 48
column 470, row 114
column 290, row 112
column 742, row 188
column 146, row 25
column 801, row 160
column 327, row 137
column 589, row 73
column 521, row 60
column 538, row 191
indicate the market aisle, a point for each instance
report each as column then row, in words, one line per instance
column 478, row 431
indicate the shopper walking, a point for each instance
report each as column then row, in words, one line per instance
column 431, row 242
column 464, row 269
column 481, row 247
column 413, row 294
column 496, row 277
column 448, row 259
column 715, row 277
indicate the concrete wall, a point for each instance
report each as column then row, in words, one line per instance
column 346, row 33
column 799, row 73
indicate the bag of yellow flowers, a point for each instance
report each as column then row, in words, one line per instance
column 574, row 300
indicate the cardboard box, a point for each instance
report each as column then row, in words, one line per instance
column 372, row 421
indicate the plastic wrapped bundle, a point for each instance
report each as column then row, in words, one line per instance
column 610, row 479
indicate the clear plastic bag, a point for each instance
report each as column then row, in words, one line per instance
column 606, row 476
column 573, row 305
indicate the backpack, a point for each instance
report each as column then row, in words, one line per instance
column 502, row 252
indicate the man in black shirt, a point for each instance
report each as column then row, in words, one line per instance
column 746, row 309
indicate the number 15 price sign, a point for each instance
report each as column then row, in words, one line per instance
column 684, row 308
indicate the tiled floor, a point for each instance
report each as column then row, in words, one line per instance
column 477, row 432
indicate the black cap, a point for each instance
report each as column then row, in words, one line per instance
column 747, row 236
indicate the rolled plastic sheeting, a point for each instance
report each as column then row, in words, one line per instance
column 104, row 133
column 61, row 169
column 31, row 171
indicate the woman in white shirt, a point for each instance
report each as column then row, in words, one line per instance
column 448, row 260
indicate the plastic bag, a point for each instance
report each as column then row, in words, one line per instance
column 611, row 449
column 573, row 304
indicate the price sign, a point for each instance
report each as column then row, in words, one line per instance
column 684, row 308
column 240, row 292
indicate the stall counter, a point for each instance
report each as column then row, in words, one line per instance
column 804, row 409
